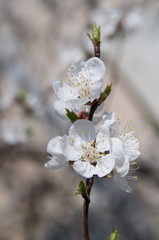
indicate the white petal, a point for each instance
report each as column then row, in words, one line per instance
column 134, row 155
column 96, row 89
column 84, row 129
column 56, row 163
column 84, row 168
column 110, row 123
column 105, row 165
column 72, row 148
column 103, row 142
column 77, row 103
column 64, row 91
column 60, row 109
column 122, row 166
column 96, row 69
column 123, row 184
column 117, row 147
column 75, row 69
column 130, row 146
column 55, row 146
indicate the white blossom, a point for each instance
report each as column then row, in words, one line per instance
column 125, row 147
column 101, row 154
column 85, row 83
column 83, row 149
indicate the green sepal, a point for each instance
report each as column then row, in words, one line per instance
column 89, row 36
column 71, row 115
column 106, row 92
column 114, row 235
column 95, row 34
column 81, row 188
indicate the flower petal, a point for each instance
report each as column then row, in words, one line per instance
column 72, row 148
column 54, row 146
column 64, row 91
column 56, row 163
column 130, row 146
column 84, row 168
column 105, row 165
column 117, row 147
column 96, row 69
column 84, row 129
column 96, row 89
column 110, row 123
column 134, row 155
column 103, row 142
column 122, row 166
column 123, row 184
column 60, row 109
column 75, row 69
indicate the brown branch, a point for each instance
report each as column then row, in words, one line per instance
column 86, row 196
column 93, row 108
column 96, row 49
column 97, row 102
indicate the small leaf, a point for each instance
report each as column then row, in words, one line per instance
column 89, row 36
column 71, row 115
column 106, row 92
column 95, row 34
column 81, row 188
column 114, row 235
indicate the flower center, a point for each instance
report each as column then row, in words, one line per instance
column 84, row 92
column 90, row 154
column 83, row 86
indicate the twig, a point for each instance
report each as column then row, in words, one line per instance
column 86, row 196
column 96, row 49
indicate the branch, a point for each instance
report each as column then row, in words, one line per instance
column 99, row 101
column 86, row 196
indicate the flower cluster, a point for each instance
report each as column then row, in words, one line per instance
column 107, row 152
column 85, row 81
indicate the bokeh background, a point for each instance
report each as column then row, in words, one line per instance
column 38, row 41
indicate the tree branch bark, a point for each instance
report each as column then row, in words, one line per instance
column 86, row 196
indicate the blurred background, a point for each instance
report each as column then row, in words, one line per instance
column 38, row 41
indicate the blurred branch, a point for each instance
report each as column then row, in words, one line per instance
column 86, row 196
column 11, row 152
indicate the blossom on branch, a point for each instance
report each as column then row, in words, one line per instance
column 125, row 147
column 107, row 152
column 85, row 83
column 83, row 150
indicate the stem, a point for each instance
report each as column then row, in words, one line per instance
column 96, row 49
column 92, row 110
column 89, row 181
column 86, row 196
